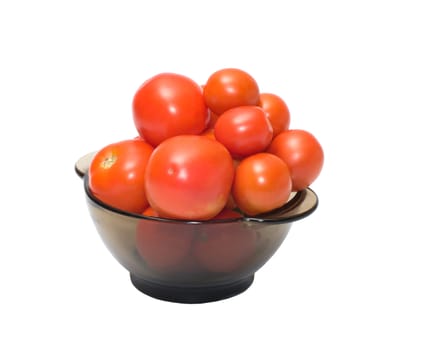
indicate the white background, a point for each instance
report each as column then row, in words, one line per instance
column 347, row 277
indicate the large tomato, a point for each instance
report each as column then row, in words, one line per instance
column 189, row 177
column 169, row 104
column 276, row 111
column 262, row 183
column 302, row 153
column 244, row 130
column 116, row 174
column 228, row 88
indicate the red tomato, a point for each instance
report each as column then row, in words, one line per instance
column 244, row 130
column 150, row 212
column 228, row 88
column 189, row 177
column 276, row 110
column 213, row 119
column 117, row 172
column 231, row 204
column 163, row 246
column 227, row 213
column 302, row 153
column 209, row 133
column 169, row 104
column 225, row 247
column 262, row 183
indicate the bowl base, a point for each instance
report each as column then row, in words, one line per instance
column 191, row 295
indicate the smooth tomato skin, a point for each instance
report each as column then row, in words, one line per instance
column 163, row 246
column 244, row 130
column 167, row 105
column 189, row 177
column 302, row 153
column 117, row 174
column 276, row 111
column 262, row 183
column 228, row 88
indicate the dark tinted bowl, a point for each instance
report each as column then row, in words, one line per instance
column 193, row 261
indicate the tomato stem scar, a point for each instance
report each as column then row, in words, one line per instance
column 109, row 161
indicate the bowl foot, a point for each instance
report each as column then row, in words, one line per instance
column 191, row 295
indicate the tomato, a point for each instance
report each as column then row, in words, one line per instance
column 189, row 177
column 231, row 204
column 225, row 247
column 276, row 110
column 149, row 212
column 302, row 153
column 213, row 119
column 209, row 133
column 228, row 88
column 169, row 104
column 117, row 173
column 139, row 137
column 262, row 183
column 244, row 130
column 163, row 246
column 227, row 213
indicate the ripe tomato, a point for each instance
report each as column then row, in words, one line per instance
column 244, row 130
column 227, row 213
column 117, row 172
column 189, row 177
column 302, row 153
column 228, row 88
column 276, row 111
column 149, row 212
column 169, row 104
column 224, row 247
column 262, row 183
column 213, row 119
column 209, row 132
column 163, row 246
column 231, row 204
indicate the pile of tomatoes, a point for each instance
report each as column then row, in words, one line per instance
column 217, row 150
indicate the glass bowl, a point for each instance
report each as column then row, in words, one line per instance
column 193, row 261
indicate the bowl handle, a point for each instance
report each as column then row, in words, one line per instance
column 82, row 165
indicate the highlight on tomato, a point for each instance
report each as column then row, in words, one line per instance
column 228, row 88
column 244, row 130
column 302, row 153
column 204, row 148
column 189, row 177
column 169, row 104
column 262, row 183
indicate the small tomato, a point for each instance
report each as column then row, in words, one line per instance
column 117, row 174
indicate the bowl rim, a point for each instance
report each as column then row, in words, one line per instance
column 277, row 216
